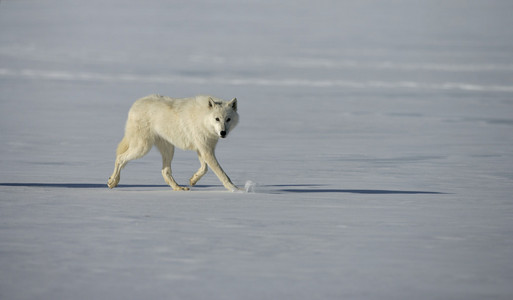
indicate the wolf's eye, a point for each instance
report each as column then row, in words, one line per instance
column 217, row 119
column 228, row 120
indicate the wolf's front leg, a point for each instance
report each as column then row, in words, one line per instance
column 212, row 162
column 168, row 150
column 202, row 171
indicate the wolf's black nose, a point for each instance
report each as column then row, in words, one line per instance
column 223, row 133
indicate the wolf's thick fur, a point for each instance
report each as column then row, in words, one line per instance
column 191, row 123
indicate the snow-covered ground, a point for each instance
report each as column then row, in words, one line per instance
column 379, row 135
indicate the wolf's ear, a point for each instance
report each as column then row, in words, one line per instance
column 211, row 102
column 233, row 104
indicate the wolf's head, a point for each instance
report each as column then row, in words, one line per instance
column 223, row 116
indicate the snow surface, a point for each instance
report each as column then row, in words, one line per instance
column 378, row 136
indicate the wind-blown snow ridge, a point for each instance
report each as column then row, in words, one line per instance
column 255, row 81
column 326, row 63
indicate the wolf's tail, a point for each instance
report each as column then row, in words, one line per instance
column 122, row 147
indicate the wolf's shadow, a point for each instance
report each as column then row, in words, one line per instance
column 273, row 188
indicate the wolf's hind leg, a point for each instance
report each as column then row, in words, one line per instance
column 167, row 150
column 119, row 164
column 116, row 175
column 202, row 170
column 127, row 151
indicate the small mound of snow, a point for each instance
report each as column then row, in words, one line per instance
column 249, row 187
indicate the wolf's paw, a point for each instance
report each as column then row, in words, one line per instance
column 180, row 188
column 112, row 183
column 233, row 188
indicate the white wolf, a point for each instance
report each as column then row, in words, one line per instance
column 191, row 123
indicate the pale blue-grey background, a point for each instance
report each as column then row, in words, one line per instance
column 379, row 135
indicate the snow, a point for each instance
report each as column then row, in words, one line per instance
column 375, row 145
